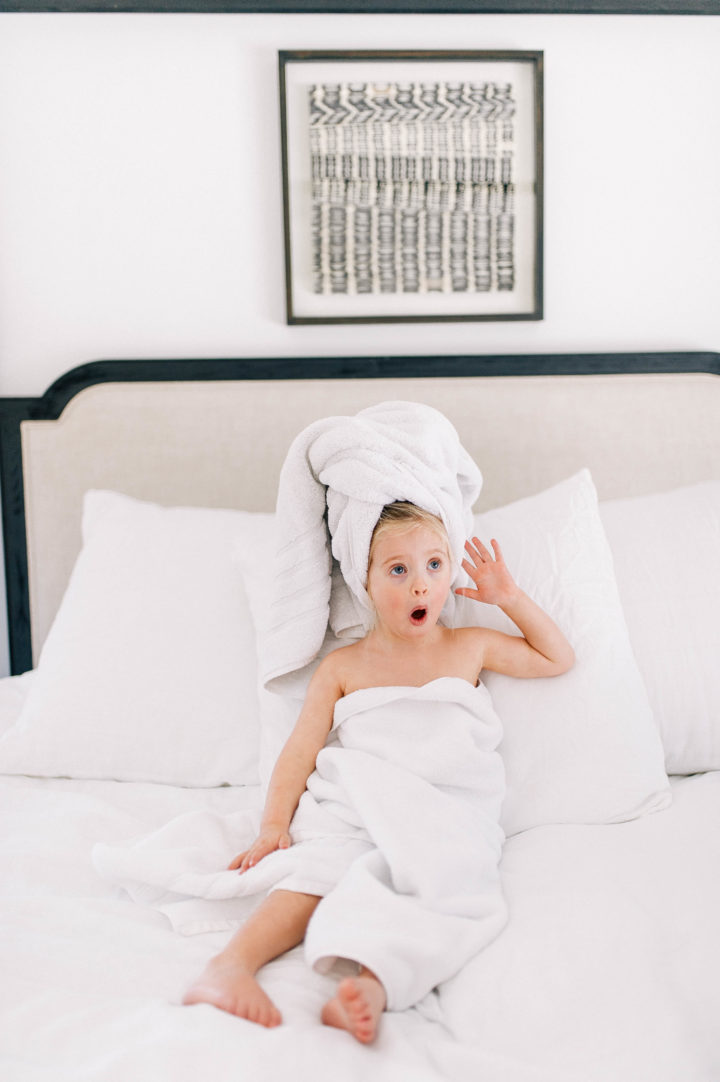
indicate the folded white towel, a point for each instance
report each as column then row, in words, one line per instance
column 338, row 475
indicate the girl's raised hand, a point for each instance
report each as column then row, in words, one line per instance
column 494, row 585
column 268, row 840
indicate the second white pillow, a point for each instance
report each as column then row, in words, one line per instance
column 582, row 747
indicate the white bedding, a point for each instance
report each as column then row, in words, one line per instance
column 608, row 968
column 574, row 988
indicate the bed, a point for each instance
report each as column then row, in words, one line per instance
column 138, row 525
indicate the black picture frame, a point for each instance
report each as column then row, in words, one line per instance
column 378, row 7
column 412, row 185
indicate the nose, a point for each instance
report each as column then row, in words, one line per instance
column 419, row 586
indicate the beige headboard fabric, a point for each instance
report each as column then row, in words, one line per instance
column 222, row 443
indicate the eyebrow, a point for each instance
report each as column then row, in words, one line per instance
column 403, row 559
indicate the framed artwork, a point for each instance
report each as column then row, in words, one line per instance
column 412, row 185
column 380, row 7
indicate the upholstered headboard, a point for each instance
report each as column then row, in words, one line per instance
column 215, row 433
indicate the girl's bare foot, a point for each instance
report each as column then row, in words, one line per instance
column 356, row 1007
column 231, row 987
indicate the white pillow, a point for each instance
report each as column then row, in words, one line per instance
column 582, row 747
column 666, row 549
column 14, row 691
column 278, row 712
column 149, row 669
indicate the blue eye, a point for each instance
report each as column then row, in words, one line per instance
column 435, row 564
column 398, row 569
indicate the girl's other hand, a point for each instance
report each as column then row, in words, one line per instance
column 494, row 585
column 268, row 840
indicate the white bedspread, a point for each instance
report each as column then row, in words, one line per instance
column 398, row 830
column 606, row 972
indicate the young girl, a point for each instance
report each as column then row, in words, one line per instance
column 409, row 576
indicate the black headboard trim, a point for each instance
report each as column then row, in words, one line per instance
column 52, row 403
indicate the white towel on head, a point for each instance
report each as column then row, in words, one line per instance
column 338, row 475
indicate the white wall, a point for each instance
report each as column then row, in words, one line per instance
column 140, row 189
column 141, row 212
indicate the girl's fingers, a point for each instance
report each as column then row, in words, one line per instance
column 476, row 572
column 467, row 591
column 484, row 552
column 256, row 854
column 250, row 857
column 475, row 549
column 478, row 552
column 497, row 551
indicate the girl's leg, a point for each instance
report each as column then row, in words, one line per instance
column 357, row 1005
column 228, row 981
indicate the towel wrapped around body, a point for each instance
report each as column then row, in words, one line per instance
column 417, row 771
column 397, row 831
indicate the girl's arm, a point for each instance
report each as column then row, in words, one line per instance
column 543, row 650
column 294, row 765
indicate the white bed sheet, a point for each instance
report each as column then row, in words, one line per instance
column 607, row 971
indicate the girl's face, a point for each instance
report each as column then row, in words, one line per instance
column 409, row 579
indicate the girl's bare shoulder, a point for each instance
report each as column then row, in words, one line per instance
column 340, row 665
column 468, row 642
column 466, row 635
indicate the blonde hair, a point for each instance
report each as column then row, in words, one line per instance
column 403, row 515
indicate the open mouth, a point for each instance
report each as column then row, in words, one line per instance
column 418, row 615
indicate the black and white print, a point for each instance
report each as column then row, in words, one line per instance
column 412, row 187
